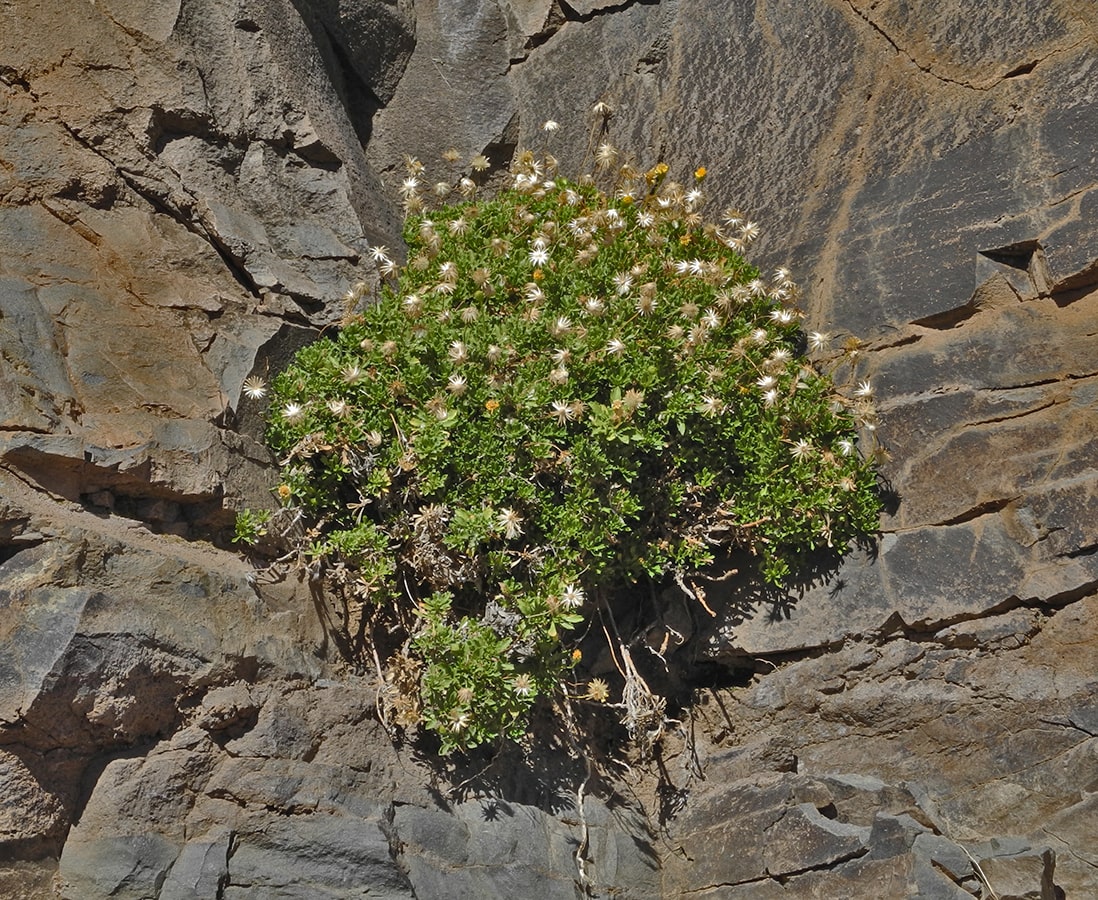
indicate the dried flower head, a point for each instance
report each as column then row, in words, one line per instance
column 623, row 283
column 255, row 388
column 801, row 449
column 605, row 155
column 597, row 690
column 561, row 411
column 510, row 523
column 458, row 352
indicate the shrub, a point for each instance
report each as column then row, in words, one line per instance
column 566, row 389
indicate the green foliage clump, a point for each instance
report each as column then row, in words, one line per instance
column 251, row 525
column 565, row 389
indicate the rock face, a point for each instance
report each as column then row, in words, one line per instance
column 188, row 189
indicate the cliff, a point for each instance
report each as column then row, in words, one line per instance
column 189, row 187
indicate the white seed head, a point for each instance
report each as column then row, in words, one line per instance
column 572, row 597
column 255, row 388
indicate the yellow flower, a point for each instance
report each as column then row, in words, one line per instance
column 577, row 655
column 656, row 173
column 284, row 491
column 491, row 405
column 700, row 172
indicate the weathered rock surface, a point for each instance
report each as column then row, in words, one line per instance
column 187, row 189
column 980, row 733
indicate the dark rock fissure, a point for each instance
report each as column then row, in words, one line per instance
column 104, row 491
column 597, row 11
column 14, row 546
column 906, row 54
column 1018, row 255
column 1022, row 69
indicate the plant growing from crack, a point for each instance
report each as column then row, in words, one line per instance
column 568, row 387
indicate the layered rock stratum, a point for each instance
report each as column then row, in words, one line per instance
column 189, row 187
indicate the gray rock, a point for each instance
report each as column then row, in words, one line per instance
column 43, row 623
column 201, row 870
column 315, row 856
column 461, row 51
column 375, row 37
column 130, row 866
column 520, row 851
column 33, row 393
column 939, row 856
column 805, row 839
column 893, row 835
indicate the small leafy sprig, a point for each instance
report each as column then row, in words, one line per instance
column 567, row 388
